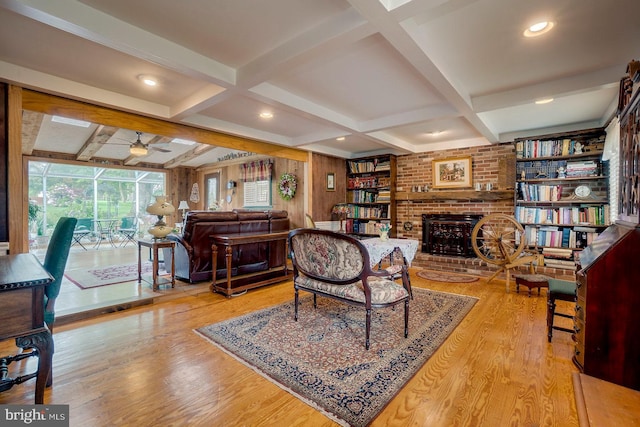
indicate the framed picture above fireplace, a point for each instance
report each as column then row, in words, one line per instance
column 452, row 172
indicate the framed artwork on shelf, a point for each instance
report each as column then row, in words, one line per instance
column 331, row 181
column 452, row 172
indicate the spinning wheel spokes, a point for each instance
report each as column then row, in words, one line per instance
column 498, row 239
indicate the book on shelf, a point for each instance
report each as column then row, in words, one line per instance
column 559, row 263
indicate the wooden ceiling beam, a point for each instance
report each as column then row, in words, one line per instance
column 55, row 105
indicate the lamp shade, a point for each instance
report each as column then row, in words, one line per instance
column 183, row 205
column 161, row 207
column 138, row 150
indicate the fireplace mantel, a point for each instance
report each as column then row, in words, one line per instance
column 454, row 195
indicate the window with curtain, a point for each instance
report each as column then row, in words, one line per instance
column 257, row 183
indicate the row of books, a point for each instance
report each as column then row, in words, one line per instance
column 357, row 211
column 549, row 148
column 571, row 215
column 375, row 165
column 539, row 192
column 362, row 196
column 560, row 237
column 361, row 227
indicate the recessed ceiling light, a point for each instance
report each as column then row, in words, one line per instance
column 266, row 115
column 340, row 138
column 433, row 133
column 148, row 80
column 544, row 101
column 539, row 28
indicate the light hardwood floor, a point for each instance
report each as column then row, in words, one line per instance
column 146, row 367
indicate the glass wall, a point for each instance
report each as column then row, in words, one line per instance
column 92, row 192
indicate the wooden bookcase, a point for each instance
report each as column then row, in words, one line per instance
column 371, row 183
column 562, row 193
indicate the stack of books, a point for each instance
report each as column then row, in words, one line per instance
column 558, row 258
column 584, row 168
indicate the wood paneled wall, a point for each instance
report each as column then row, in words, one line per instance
column 321, row 200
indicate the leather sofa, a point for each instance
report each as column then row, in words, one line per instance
column 193, row 247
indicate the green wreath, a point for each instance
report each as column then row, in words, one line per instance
column 287, row 186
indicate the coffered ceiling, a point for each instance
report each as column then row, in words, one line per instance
column 398, row 76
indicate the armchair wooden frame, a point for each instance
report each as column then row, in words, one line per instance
column 337, row 266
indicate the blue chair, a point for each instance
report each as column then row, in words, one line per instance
column 83, row 229
column 55, row 262
column 559, row 290
column 128, row 230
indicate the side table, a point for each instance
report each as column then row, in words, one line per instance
column 154, row 245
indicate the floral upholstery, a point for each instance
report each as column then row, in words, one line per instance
column 328, row 257
column 336, row 265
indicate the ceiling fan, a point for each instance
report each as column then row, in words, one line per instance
column 139, row 148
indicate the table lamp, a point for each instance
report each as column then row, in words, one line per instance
column 184, row 207
column 160, row 208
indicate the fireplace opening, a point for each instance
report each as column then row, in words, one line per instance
column 448, row 234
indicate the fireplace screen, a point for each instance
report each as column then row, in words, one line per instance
column 448, row 234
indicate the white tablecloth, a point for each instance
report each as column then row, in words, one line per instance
column 378, row 249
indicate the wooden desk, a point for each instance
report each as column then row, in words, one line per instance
column 154, row 245
column 22, row 284
column 231, row 240
column 601, row 403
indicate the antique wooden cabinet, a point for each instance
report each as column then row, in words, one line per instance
column 607, row 321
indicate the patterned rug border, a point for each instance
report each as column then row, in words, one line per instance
column 77, row 276
column 441, row 276
column 416, row 350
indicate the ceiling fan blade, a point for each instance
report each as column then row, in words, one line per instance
column 158, row 149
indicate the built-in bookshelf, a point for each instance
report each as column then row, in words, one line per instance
column 371, row 185
column 562, row 193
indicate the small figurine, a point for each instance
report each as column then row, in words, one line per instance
column 577, row 149
column 562, row 172
column 523, row 175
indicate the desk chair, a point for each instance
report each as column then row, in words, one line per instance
column 55, row 262
column 559, row 290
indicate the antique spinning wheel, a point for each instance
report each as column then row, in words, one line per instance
column 499, row 239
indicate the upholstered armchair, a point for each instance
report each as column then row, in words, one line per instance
column 337, row 266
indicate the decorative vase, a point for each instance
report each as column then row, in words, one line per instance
column 384, row 235
column 160, row 208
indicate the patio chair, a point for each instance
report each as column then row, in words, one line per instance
column 128, row 230
column 82, row 230
column 336, row 265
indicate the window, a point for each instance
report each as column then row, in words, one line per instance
column 257, row 194
column 212, row 190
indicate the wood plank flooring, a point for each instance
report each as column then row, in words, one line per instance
column 146, row 367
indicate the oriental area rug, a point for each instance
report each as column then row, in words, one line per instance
column 109, row 275
column 440, row 276
column 321, row 359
